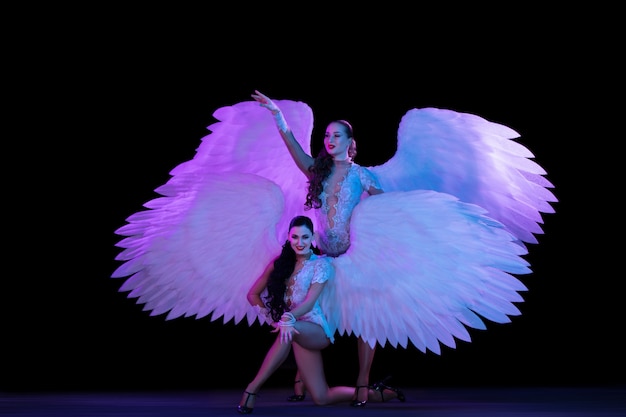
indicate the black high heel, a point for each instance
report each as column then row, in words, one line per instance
column 244, row 409
column 381, row 386
column 297, row 397
column 356, row 402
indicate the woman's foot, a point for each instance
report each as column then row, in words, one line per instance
column 388, row 392
column 361, row 394
column 299, row 391
column 246, row 405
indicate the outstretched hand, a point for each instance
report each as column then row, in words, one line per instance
column 286, row 331
column 265, row 101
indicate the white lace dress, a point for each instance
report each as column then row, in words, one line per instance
column 334, row 216
column 316, row 269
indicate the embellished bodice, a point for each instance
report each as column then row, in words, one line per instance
column 317, row 269
column 342, row 191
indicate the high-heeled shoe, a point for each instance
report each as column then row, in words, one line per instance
column 297, row 397
column 381, row 386
column 244, row 409
column 356, row 402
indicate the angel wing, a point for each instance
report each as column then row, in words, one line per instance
column 477, row 161
column 197, row 249
column 422, row 267
column 219, row 219
column 245, row 139
column 190, row 253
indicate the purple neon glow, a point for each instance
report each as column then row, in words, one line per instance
column 460, row 190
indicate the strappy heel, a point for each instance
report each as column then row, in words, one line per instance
column 244, row 409
column 297, row 397
column 382, row 386
column 356, row 402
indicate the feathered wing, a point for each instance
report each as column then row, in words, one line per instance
column 422, row 268
column 198, row 249
column 477, row 161
column 245, row 139
column 422, row 264
column 219, row 220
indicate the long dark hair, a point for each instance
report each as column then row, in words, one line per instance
column 283, row 268
column 322, row 167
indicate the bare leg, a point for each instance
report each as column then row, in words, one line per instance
column 311, row 369
column 298, row 389
column 273, row 359
column 366, row 357
column 307, row 349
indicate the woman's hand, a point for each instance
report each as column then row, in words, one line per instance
column 286, row 333
column 286, row 327
column 266, row 102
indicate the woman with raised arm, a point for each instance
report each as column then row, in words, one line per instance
column 447, row 238
column 336, row 185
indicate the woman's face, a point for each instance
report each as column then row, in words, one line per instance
column 336, row 141
column 300, row 239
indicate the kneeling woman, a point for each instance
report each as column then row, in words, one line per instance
column 294, row 281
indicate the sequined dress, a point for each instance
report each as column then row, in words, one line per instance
column 334, row 215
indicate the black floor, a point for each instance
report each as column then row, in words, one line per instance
column 423, row 402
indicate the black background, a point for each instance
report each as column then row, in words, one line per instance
column 108, row 121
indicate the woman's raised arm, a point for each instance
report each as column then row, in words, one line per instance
column 300, row 157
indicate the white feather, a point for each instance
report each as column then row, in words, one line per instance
column 421, row 266
column 477, row 161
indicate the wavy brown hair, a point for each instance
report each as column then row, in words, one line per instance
column 322, row 167
column 283, row 268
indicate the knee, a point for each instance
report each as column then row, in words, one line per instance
column 320, row 400
column 319, row 397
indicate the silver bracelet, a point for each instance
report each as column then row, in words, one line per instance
column 287, row 319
